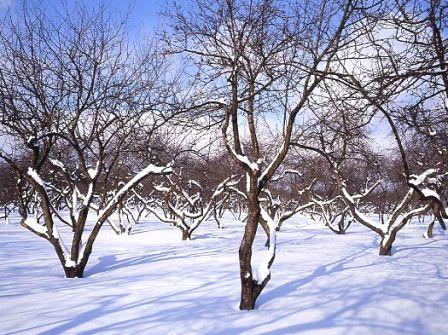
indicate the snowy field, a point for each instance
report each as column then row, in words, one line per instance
column 153, row 283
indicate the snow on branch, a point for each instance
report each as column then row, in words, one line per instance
column 150, row 169
column 284, row 173
column 269, row 170
column 254, row 166
column 58, row 164
column 32, row 224
column 367, row 191
column 417, row 180
column 359, row 216
column 93, row 172
column 35, row 176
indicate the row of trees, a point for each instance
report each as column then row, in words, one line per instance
column 287, row 96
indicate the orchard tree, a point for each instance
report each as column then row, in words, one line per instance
column 74, row 96
column 181, row 203
column 397, row 70
column 340, row 139
column 259, row 62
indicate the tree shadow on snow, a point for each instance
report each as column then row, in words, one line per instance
column 337, row 304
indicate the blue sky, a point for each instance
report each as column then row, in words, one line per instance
column 143, row 16
column 143, row 12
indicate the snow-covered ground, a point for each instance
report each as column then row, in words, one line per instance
column 153, row 283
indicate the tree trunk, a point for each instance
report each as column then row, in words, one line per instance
column 385, row 250
column 186, row 235
column 341, row 225
column 429, row 231
column 386, row 246
column 250, row 293
column 338, row 231
column 217, row 216
column 388, row 240
column 74, row 272
column 265, row 227
column 249, row 288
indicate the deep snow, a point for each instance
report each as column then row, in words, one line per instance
column 153, row 283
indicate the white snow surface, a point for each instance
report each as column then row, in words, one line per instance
column 151, row 282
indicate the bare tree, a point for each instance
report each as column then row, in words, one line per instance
column 182, row 204
column 333, row 213
column 337, row 144
column 397, row 70
column 260, row 61
column 76, row 96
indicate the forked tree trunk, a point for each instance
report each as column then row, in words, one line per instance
column 342, row 226
column 339, row 231
column 74, row 272
column 385, row 250
column 186, row 235
column 386, row 244
column 77, row 271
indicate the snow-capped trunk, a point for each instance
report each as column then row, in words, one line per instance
column 74, row 271
column 253, row 283
column 250, row 288
column 265, row 227
column 387, row 240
